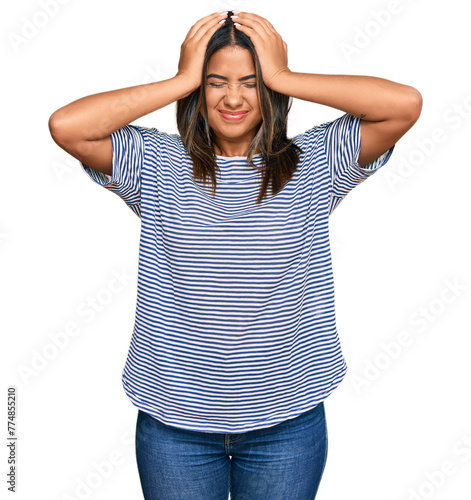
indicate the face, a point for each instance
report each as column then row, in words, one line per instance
column 234, row 111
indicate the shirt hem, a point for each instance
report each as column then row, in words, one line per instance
column 224, row 428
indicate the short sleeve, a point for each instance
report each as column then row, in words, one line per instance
column 342, row 144
column 128, row 158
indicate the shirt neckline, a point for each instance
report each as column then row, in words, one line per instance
column 256, row 155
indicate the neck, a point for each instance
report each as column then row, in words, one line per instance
column 232, row 151
column 233, row 148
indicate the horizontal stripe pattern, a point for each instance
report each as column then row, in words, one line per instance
column 235, row 321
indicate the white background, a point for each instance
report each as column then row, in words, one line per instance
column 400, row 245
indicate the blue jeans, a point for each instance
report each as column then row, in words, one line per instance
column 282, row 462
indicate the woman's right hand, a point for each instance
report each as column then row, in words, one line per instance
column 83, row 127
column 193, row 48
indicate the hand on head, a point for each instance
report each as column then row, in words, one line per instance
column 271, row 49
column 193, row 48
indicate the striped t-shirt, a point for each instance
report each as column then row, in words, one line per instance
column 235, row 324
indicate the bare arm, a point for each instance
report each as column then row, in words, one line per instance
column 387, row 109
column 83, row 127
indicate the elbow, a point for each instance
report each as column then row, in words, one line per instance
column 412, row 105
column 56, row 127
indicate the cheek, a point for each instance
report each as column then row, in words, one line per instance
column 212, row 97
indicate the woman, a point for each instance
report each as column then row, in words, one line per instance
column 235, row 346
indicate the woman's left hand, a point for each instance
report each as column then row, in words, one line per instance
column 271, row 49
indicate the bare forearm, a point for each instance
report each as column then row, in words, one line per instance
column 97, row 116
column 370, row 98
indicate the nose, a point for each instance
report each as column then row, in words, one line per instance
column 233, row 95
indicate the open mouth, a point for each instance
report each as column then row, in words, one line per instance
column 236, row 116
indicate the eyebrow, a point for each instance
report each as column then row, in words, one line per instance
column 248, row 77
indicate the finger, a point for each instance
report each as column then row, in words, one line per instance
column 207, row 30
column 205, row 20
column 255, row 17
column 255, row 22
column 254, row 32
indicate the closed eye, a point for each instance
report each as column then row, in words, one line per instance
column 220, row 85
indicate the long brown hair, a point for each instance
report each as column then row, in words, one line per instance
column 280, row 155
